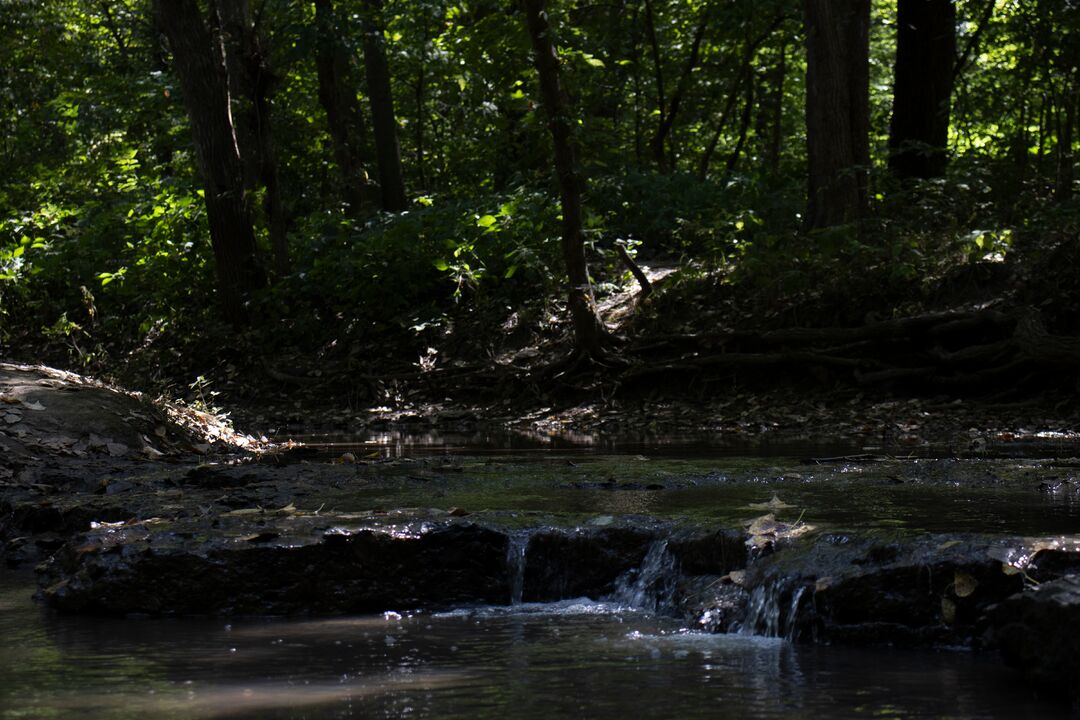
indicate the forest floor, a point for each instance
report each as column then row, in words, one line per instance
column 960, row 377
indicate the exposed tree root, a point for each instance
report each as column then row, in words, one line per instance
column 983, row 352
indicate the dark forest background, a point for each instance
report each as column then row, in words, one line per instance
column 271, row 191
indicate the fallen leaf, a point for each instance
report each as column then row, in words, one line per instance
column 764, row 525
column 822, row 584
column 964, row 584
column 33, row 405
column 948, row 610
column 949, row 544
column 738, row 577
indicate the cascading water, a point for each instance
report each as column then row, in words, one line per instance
column 650, row 587
column 772, row 610
column 515, row 565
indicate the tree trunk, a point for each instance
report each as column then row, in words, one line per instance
column 1063, row 186
column 837, row 110
column 589, row 333
column 204, row 81
column 344, row 117
column 658, row 70
column 744, row 129
column 383, row 120
column 774, row 107
column 922, row 91
column 250, row 83
column 746, row 70
column 667, row 118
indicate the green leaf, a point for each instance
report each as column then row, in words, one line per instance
column 486, row 221
column 510, row 272
column 441, row 265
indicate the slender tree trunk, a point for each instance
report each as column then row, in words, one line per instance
column 667, row 118
column 420, row 121
column 658, row 72
column 419, row 131
column 744, row 129
column 589, row 333
column 746, row 69
column 1063, row 188
column 344, row 117
column 204, row 81
column 922, row 90
column 251, row 83
column 837, row 110
column 776, row 112
column 384, row 122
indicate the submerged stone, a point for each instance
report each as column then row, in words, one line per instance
column 1038, row 632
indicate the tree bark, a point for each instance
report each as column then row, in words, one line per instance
column 204, row 81
column 251, row 82
column 344, row 117
column 922, row 90
column 589, row 333
column 383, row 119
column 837, row 110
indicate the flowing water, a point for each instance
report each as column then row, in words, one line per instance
column 617, row 658
column 579, row 659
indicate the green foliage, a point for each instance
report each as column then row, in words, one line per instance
column 392, row 267
column 104, row 245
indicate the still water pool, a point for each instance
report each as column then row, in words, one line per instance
column 574, row 659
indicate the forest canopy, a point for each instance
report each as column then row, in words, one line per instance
column 366, row 182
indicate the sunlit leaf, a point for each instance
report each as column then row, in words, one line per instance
column 964, row 584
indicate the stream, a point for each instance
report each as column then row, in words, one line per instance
column 575, row 658
column 616, row 657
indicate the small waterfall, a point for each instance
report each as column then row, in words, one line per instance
column 650, row 587
column 515, row 565
column 768, row 614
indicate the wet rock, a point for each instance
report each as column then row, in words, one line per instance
column 582, row 562
column 172, row 569
column 929, row 591
column 1038, row 631
column 715, row 553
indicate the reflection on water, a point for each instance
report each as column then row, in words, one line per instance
column 413, row 442
column 571, row 659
